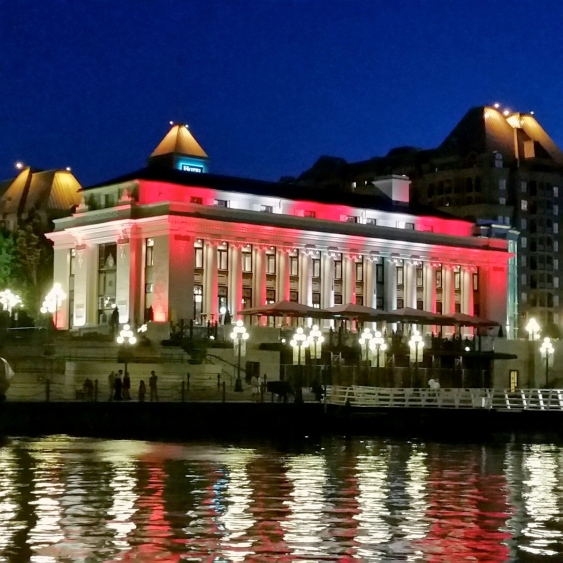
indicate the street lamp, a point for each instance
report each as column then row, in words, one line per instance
column 315, row 340
column 239, row 336
column 299, row 342
column 9, row 300
column 53, row 301
column 546, row 350
column 365, row 345
column 533, row 329
column 380, row 346
column 126, row 339
column 416, row 345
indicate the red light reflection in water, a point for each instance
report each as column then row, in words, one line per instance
column 468, row 517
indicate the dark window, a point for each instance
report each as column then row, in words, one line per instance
column 338, row 269
column 351, row 219
column 270, row 264
column 359, row 271
column 359, row 299
column 457, row 280
column 439, row 307
column 246, row 297
column 310, row 214
column 419, row 277
column 400, row 303
column 420, row 304
column 294, row 296
column 409, row 226
column 400, row 275
column 221, row 203
column 379, row 273
column 337, row 299
column 294, row 265
column 316, row 268
column 247, row 260
column 198, row 200
column 222, row 294
column 316, row 300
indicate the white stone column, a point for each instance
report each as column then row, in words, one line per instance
column 210, row 285
column 182, row 262
column 410, row 284
column 429, row 287
column 136, row 277
column 282, row 290
column 348, row 279
column 61, row 269
column 467, row 291
column 390, row 286
column 305, row 278
column 370, row 299
column 86, row 286
column 123, row 276
column 259, row 277
column 235, row 281
column 327, row 280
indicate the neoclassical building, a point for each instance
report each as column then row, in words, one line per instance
column 172, row 241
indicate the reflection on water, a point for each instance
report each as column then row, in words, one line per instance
column 67, row 499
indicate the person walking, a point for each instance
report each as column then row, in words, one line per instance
column 153, row 380
column 255, row 384
column 142, row 391
column 126, row 387
column 118, row 386
column 111, row 383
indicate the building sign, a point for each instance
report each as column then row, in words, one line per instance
column 191, row 168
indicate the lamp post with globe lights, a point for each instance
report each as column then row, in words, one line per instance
column 416, row 345
column 533, row 329
column 365, row 344
column 546, row 350
column 126, row 339
column 239, row 336
column 53, row 301
column 9, row 302
column 299, row 343
column 380, row 346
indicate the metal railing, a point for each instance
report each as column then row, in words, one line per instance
column 454, row 398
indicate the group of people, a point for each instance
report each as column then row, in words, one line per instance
column 119, row 386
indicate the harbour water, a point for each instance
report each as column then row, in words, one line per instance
column 335, row 499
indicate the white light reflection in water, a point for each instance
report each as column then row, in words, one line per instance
column 236, row 516
column 47, row 490
column 123, row 484
column 306, row 522
column 415, row 526
column 373, row 491
column 540, row 499
column 8, row 507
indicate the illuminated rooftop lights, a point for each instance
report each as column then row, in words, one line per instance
column 496, row 105
column 19, row 165
column 68, row 168
column 506, row 112
column 531, row 113
column 171, row 122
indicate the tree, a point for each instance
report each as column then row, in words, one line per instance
column 7, row 261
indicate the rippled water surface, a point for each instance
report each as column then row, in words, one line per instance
column 68, row 499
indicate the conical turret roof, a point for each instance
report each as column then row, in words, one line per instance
column 181, row 142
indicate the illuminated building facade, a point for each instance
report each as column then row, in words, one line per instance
column 168, row 244
column 500, row 169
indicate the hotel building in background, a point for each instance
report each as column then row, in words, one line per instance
column 173, row 242
column 497, row 168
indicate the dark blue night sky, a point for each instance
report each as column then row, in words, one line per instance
column 266, row 86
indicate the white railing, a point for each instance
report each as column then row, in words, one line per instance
column 456, row 398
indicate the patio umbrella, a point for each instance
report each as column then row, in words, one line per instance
column 351, row 310
column 283, row 309
column 462, row 319
column 417, row 316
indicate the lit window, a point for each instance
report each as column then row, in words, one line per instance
column 524, row 279
column 475, row 281
column 502, row 184
column 507, row 221
column 371, row 221
column 523, row 187
column 270, row 264
column 221, row 203
column 316, row 268
column 353, row 184
column 409, row 226
column 222, row 258
column 555, row 191
column 400, row 276
column 555, row 282
column 149, row 258
column 555, row 228
column 338, row 268
column 294, row 265
column 359, row 271
column 555, row 209
column 457, row 280
column 438, row 279
column 524, row 297
column 523, row 261
column 502, row 200
column 524, row 205
column 197, row 200
column 316, row 299
column 524, row 242
column 247, row 259
column 419, row 277
column 149, row 288
column 198, row 257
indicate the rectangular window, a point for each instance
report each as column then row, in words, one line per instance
column 524, row 297
column 72, row 261
column 523, row 279
column 555, row 246
column 222, row 298
column 502, row 200
column 246, row 297
column 379, row 273
column 316, row 268
column 523, row 224
column 502, row 184
column 149, row 258
column 197, row 200
column 457, row 280
column 476, row 281
column 222, row 259
column 310, row 214
column 359, row 271
column 555, row 209
column 438, row 279
column 523, row 187
column 400, row 303
column 270, row 264
column 247, row 260
column 198, row 257
column 400, row 276
column 359, row 299
column 524, row 205
column 294, row 296
column 419, row 277
column 316, row 300
column 270, row 296
column 351, row 219
column 294, row 265
column 523, row 242
column 439, row 307
column 337, row 299
column 338, row 269
column 555, row 191
column 221, row 203
column 371, row 221
column 149, row 288
column 409, row 226
column 457, row 307
column 266, row 208
column 523, row 261
column 198, row 301
column 379, row 303
column 420, row 304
